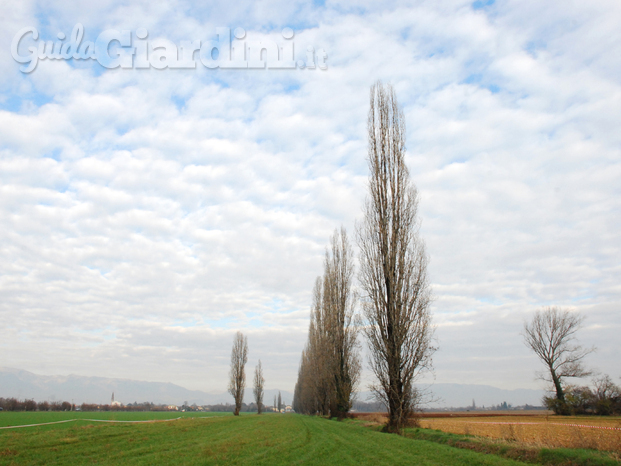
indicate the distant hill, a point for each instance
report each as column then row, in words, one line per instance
column 26, row 385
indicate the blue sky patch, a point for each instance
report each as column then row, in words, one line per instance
column 480, row 4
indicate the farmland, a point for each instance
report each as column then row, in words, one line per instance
column 526, row 429
column 599, row 433
column 218, row 439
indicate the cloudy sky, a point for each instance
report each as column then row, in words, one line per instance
column 146, row 215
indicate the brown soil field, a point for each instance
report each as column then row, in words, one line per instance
column 541, row 430
column 483, row 414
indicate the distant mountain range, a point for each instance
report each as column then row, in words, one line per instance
column 78, row 389
column 26, row 385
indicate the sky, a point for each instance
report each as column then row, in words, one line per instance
column 146, row 215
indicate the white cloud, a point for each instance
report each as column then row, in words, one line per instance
column 146, row 215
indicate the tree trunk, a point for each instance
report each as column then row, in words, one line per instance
column 557, row 385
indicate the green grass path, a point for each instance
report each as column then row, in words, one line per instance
column 250, row 439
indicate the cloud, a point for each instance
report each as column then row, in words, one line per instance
column 147, row 215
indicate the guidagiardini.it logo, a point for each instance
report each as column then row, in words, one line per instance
column 114, row 49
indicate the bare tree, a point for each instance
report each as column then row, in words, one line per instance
column 393, row 265
column 279, row 402
column 339, row 301
column 317, row 355
column 551, row 335
column 330, row 364
column 259, row 382
column 315, row 380
column 239, row 358
column 607, row 396
column 303, row 395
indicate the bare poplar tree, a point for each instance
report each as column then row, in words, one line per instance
column 318, row 352
column 341, row 331
column 551, row 335
column 259, row 382
column 330, row 364
column 393, row 265
column 315, row 381
column 304, row 401
column 239, row 358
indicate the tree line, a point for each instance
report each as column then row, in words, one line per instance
column 13, row 404
column 330, row 365
column 395, row 297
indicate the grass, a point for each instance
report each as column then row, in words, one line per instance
column 219, row 439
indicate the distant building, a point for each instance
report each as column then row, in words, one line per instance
column 114, row 403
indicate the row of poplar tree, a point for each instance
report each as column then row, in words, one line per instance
column 330, row 366
column 394, row 294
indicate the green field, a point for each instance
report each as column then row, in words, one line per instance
column 217, row 438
